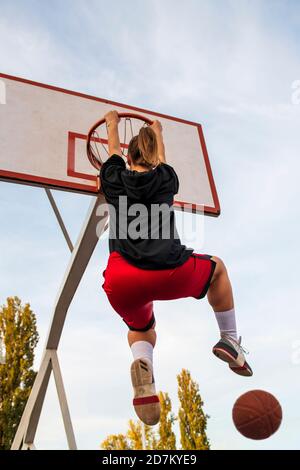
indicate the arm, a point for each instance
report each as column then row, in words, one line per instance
column 157, row 128
column 161, row 148
column 112, row 120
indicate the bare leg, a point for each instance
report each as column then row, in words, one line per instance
column 149, row 336
column 219, row 293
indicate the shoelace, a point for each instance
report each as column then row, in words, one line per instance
column 238, row 343
column 245, row 351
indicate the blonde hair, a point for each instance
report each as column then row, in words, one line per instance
column 143, row 148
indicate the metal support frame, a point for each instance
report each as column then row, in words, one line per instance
column 93, row 227
column 59, row 219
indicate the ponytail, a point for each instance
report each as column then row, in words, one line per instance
column 143, row 148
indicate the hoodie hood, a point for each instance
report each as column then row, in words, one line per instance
column 144, row 185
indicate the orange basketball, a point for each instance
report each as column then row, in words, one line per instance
column 257, row 414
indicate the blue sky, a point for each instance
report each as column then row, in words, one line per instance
column 229, row 65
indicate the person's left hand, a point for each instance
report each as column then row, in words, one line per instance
column 157, row 127
column 112, row 116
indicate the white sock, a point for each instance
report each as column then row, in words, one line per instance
column 142, row 349
column 227, row 323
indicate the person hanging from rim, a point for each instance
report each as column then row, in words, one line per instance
column 148, row 262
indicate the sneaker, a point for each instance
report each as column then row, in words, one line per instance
column 231, row 351
column 145, row 401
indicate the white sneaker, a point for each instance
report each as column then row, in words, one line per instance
column 145, row 401
column 231, row 351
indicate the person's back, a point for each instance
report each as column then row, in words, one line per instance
column 142, row 219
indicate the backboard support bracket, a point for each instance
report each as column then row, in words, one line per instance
column 59, row 219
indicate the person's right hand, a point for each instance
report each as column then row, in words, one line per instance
column 111, row 116
column 157, row 127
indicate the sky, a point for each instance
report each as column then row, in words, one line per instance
column 233, row 66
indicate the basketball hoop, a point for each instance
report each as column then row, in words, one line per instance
column 97, row 144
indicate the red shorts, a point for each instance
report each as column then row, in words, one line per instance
column 131, row 290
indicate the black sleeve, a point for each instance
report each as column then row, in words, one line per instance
column 110, row 175
column 171, row 177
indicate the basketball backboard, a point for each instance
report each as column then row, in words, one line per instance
column 43, row 132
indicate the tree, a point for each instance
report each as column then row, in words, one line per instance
column 192, row 420
column 135, row 435
column 132, row 440
column 18, row 334
column 116, row 442
column 167, row 439
column 192, row 423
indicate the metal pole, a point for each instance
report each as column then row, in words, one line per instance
column 63, row 401
column 80, row 257
column 34, row 404
column 59, row 219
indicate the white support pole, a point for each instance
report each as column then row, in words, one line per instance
column 80, row 257
column 63, row 401
column 34, row 404
column 92, row 229
column 59, row 219
column 28, row 447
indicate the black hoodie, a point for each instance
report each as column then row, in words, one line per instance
column 154, row 244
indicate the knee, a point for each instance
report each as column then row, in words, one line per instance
column 220, row 267
column 149, row 336
column 219, row 262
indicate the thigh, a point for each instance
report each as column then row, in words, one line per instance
column 137, row 316
column 129, row 293
column 192, row 279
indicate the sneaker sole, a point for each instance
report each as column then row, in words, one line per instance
column 225, row 356
column 245, row 370
column 146, row 406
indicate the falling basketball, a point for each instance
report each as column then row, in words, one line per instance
column 257, row 414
